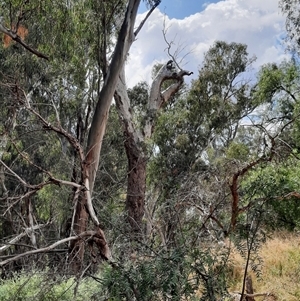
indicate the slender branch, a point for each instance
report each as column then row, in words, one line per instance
column 145, row 19
column 51, row 177
column 254, row 295
column 59, row 130
column 235, row 210
column 82, row 235
column 18, row 237
column 39, row 186
column 17, row 176
column 14, row 36
column 17, row 199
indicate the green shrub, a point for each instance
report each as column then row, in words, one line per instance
column 37, row 286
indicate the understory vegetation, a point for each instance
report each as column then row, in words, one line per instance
column 164, row 191
column 279, row 275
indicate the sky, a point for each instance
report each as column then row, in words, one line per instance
column 194, row 25
column 180, row 9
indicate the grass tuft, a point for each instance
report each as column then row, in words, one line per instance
column 280, row 270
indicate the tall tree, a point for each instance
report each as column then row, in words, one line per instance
column 136, row 136
column 95, row 83
column 291, row 9
column 197, row 128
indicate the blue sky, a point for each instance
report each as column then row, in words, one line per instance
column 192, row 26
column 180, row 9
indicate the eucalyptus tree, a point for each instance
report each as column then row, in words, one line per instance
column 193, row 131
column 277, row 133
column 137, row 135
column 69, row 96
column 290, row 8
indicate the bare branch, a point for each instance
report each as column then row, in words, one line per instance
column 145, row 19
column 170, row 91
column 17, row 176
column 18, row 237
column 84, row 235
column 174, row 55
column 51, row 177
column 58, row 129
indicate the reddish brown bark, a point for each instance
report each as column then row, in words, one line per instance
column 135, row 138
column 136, row 185
column 77, row 247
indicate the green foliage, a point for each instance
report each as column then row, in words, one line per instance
column 138, row 96
column 291, row 10
column 249, row 238
column 278, row 185
column 173, row 275
column 210, row 270
column 278, row 84
column 237, row 151
column 46, row 287
column 152, row 3
column 217, row 100
column 200, row 141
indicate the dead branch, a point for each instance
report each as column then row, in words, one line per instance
column 177, row 52
column 170, row 91
column 238, row 294
column 40, row 185
column 18, row 177
column 93, row 235
column 51, row 177
column 18, row 237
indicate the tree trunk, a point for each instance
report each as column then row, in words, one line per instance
column 135, row 139
column 136, row 185
column 84, row 208
column 76, row 247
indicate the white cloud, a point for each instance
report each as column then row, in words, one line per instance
column 257, row 23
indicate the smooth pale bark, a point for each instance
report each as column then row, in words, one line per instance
column 135, row 139
column 126, row 37
column 84, row 207
column 87, row 235
column 98, row 126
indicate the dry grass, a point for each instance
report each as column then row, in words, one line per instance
column 280, row 271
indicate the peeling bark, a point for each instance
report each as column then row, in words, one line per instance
column 77, row 248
